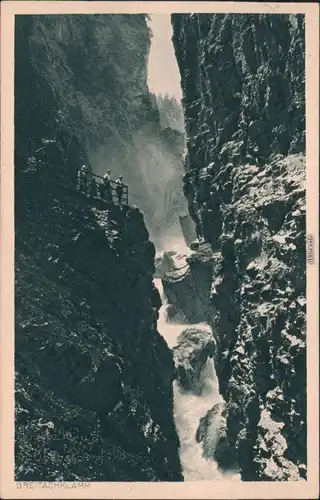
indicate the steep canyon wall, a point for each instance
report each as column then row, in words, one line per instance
column 93, row 377
column 243, row 85
column 82, row 79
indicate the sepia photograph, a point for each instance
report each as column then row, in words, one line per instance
column 161, row 248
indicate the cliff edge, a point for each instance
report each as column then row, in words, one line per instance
column 93, row 376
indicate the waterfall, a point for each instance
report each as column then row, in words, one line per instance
column 189, row 408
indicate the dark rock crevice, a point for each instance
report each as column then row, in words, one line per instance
column 245, row 185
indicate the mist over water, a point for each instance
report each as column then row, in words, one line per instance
column 152, row 168
column 167, row 235
column 189, row 408
column 173, row 240
column 148, row 156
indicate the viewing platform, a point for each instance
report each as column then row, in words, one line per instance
column 93, row 187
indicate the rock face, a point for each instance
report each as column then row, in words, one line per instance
column 93, row 375
column 93, row 383
column 187, row 228
column 187, row 284
column 194, row 347
column 82, row 80
column 243, row 97
column 178, row 286
column 213, row 434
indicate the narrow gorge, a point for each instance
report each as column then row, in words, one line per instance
column 93, row 384
column 163, row 339
column 243, row 81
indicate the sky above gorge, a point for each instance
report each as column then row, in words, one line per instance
column 163, row 72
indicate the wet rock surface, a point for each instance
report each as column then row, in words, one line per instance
column 212, row 433
column 188, row 230
column 245, row 185
column 179, row 288
column 194, row 347
column 187, row 281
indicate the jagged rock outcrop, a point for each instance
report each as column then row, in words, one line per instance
column 243, row 97
column 82, row 80
column 178, row 286
column 194, row 346
column 187, row 282
column 187, row 229
column 93, row 377
column 213, row 434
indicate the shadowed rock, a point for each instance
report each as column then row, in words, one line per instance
column 194, row 347
column 187, row 286
column 212, row 434
column 243, row 84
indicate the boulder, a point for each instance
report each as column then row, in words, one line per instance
column 187, row 283
column 180, row 290
column 194, row 346
column 212, row 434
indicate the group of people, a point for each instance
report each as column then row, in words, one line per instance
column 88, row 185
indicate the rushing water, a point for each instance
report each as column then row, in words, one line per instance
column 190, row 408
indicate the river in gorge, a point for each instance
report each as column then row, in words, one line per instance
column 189, row 408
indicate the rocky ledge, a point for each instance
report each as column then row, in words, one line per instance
column 94, row 378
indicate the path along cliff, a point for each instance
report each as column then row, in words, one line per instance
column 243, row 82
column 93, row 377
column 94, row 397
column 82, row 80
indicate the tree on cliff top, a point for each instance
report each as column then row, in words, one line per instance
column 170, row 110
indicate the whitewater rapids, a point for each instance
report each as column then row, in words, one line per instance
column 190, row 408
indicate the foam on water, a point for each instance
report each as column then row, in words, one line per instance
column 190, row 408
